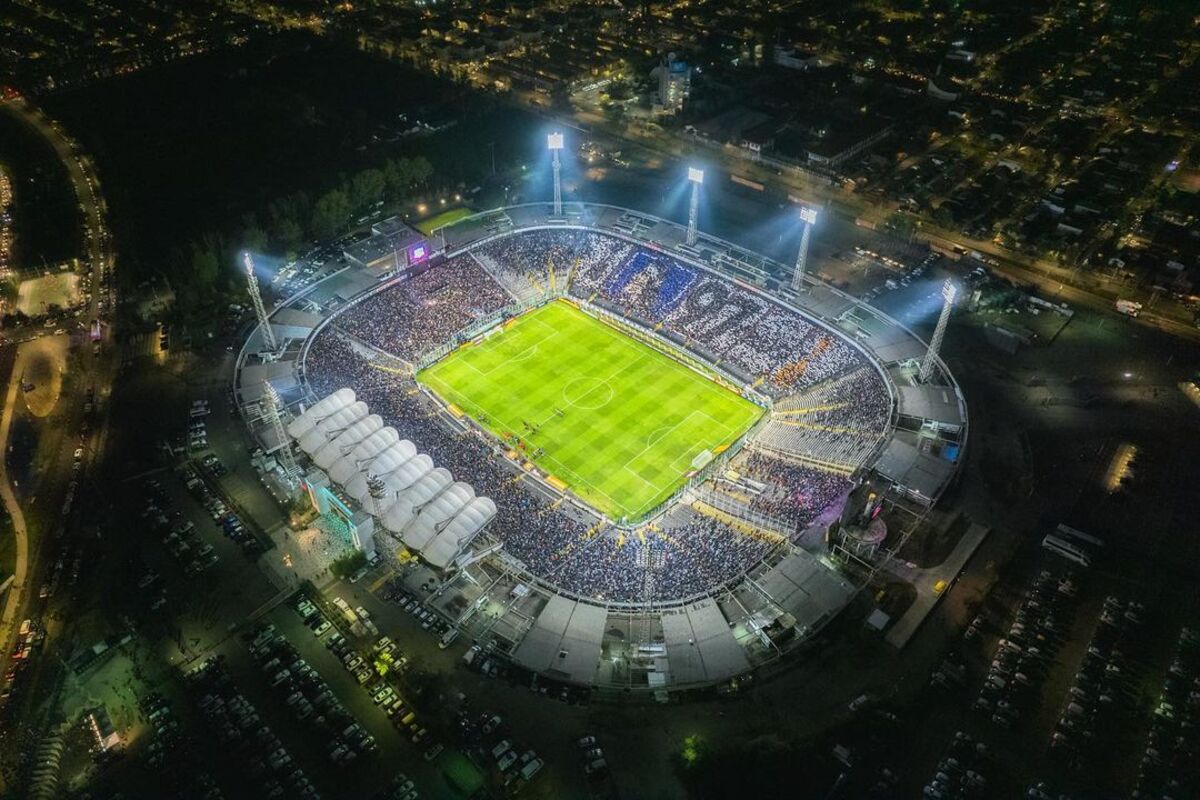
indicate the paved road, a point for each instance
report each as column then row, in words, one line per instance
column 12, row 602
column 92, row 370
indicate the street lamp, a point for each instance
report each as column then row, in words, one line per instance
column 555, row 142
column 696, row 177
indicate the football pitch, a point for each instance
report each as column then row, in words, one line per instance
column 619, row 422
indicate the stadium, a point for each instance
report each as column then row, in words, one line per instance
column 620, row 454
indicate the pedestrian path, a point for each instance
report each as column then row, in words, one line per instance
column 925, row 581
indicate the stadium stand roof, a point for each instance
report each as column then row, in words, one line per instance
column 280, row 374
column 892, row 344
column 331, row 426
column 408, row 473
column 346, row 441
column 700, row 645
column 292, row 323
column 806, row 589
column 397, row 515
column 380, row 465
column 456, row 535
column 564, row 641
column 346, row 284
column 438, row 511
column 824, row 302
column 935, row 403
column 363, row 454
column 428, row 487
column 920, row 473
column 318, row 411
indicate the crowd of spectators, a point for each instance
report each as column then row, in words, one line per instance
column 793, row 494
column 425, row 310
column 736, row 325
column 556, row 542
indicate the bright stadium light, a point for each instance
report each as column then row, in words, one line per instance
column 555, row 142
column 260, row 312
column 949, row 290
column 696, row 176
column 808, row 216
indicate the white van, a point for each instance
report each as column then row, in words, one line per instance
column 499, row 750
column 448, row 638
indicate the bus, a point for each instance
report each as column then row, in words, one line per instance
column 1066, row 550
column 1084, row 539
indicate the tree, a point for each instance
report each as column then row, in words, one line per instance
column 346, row 565
column 287, row 234
column 330, row 214
column 366, row 189
column 204, row 266
column 252, row 237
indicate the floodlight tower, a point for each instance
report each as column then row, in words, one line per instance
column 696, row 176
column 378, row 491
column 808, row 218
column 271, row 408
column 256, row 298
column 939, row 333
column 555, row 141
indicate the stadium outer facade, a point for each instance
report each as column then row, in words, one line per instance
column 751, row 623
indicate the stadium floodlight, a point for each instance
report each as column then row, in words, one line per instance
column 256, row 300
column 555, row 142
column 696, row 176
column 949, row 291
column 808, row 216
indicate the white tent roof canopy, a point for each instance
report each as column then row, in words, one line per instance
column 358, row 459
column 421, row 503
column 428, row 487
column 347, row 440
column 456, row 535
column 383, row 465
column 411, row 473
column 319, row 410
column 331, row 426
column 439, row 510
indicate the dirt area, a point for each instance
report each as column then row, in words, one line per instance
column 931, row 543
column 42, row 295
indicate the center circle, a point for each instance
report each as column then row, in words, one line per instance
column 588, row 393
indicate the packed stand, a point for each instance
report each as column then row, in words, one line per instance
column 791, row 493
column 426, row 310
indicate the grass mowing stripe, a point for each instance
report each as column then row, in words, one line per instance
column 617, row 420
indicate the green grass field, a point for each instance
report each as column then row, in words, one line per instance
column 429, row 225
column 618, row 421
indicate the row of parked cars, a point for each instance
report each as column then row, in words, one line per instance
column 171, row 754
column 230, row 524
column 1027, row 649
column 394, row 592
column 1170, row 767
column 959, row 772
column 178, row 535
column 1101, row 693
column 265, row 762
column 309, row 698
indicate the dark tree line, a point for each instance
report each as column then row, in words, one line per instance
column 200, row 272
